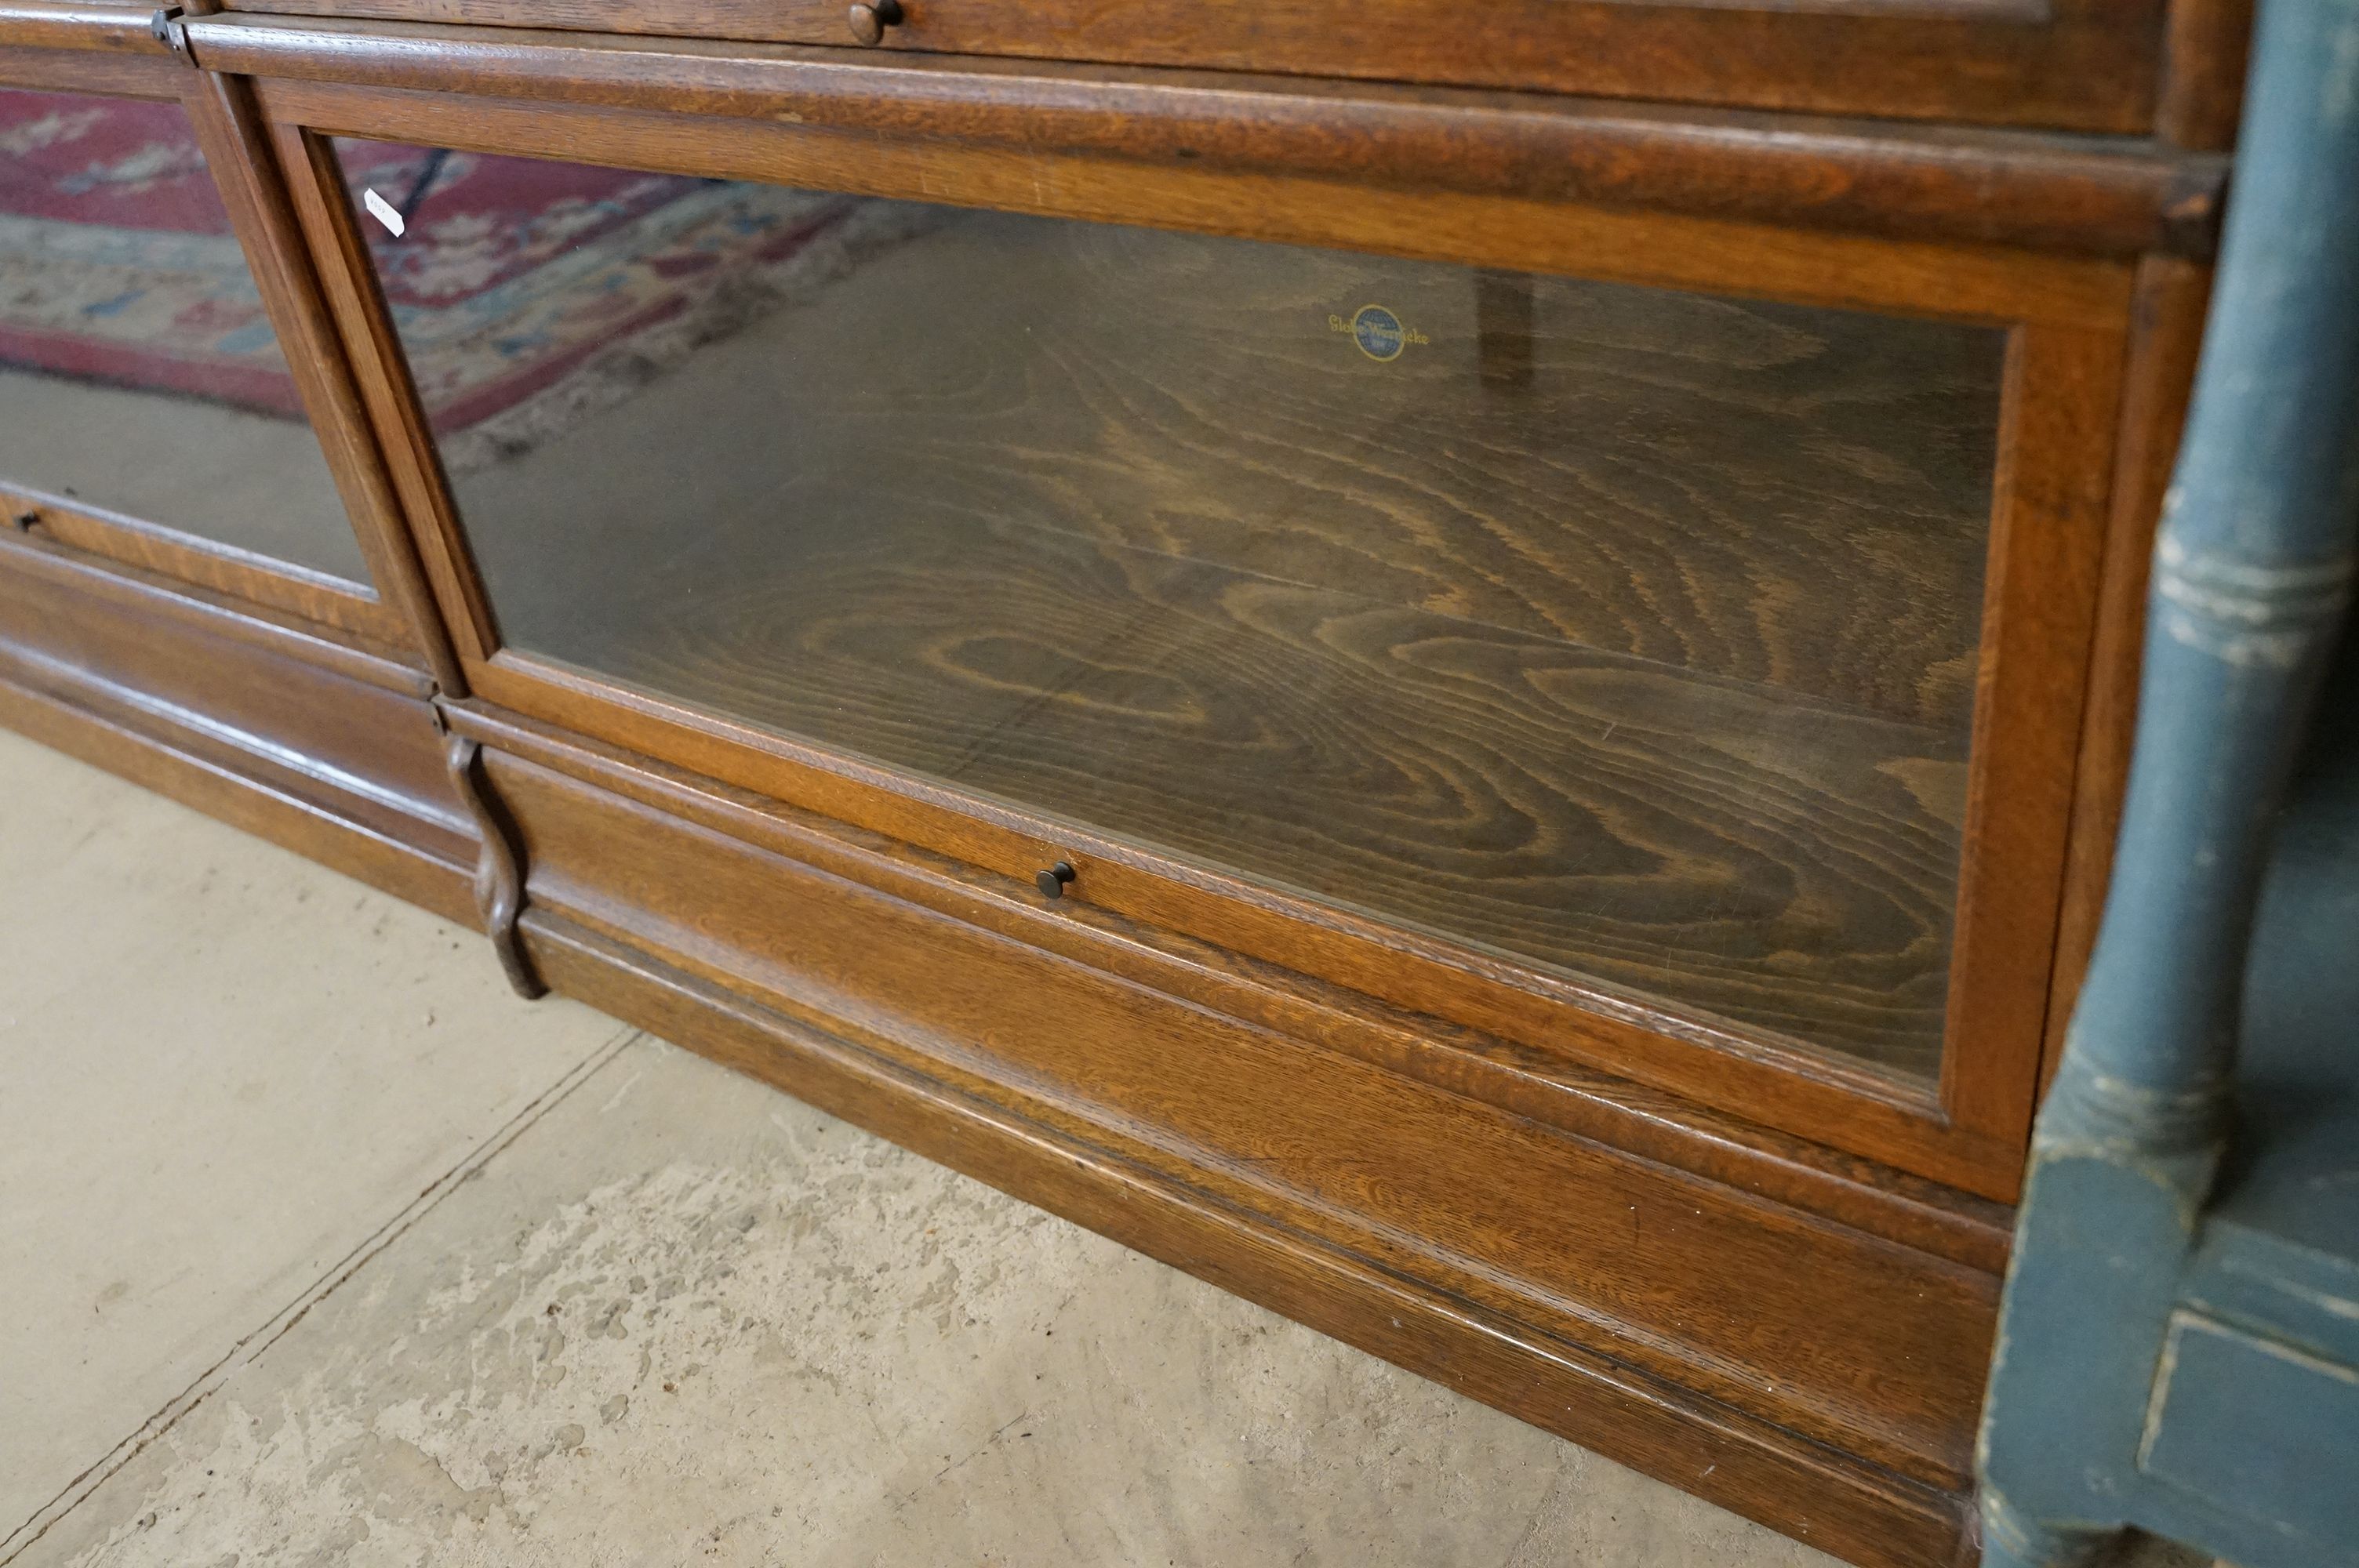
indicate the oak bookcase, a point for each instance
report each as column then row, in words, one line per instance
column 1467, row 670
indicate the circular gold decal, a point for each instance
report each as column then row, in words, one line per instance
column 1378, row 332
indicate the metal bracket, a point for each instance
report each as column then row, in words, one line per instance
column 167, row 27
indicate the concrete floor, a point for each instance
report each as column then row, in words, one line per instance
column 317, row 1246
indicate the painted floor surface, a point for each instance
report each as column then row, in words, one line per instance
column 318, row 1246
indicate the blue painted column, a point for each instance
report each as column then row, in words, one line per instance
column 2252, row 572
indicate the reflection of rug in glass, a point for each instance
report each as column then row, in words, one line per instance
column 116, row 260
column 529, row 293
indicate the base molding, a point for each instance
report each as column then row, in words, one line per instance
column 1811, row 1491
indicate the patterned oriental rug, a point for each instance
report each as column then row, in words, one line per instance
column 528, row 294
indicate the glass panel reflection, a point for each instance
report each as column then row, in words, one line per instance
column 138, row 372
column 1631, row 634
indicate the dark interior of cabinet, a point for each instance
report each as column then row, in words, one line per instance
column 1626, row 633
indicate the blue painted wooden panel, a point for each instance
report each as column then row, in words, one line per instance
column 2259, row 1429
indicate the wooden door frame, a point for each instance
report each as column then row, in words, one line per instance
column 98, row 51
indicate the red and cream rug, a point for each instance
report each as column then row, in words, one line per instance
column 526, row 293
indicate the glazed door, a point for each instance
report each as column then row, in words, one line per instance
column 1621, row 669
column 149, row 411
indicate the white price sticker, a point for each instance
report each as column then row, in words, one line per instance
column 385, row 211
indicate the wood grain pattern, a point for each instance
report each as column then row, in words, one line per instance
column 1614, row 1293
column 2107, row 196
column 2204, row 47
column 1604, row 1107
column 2085, row 65
column 1788, row 868
column 27, row 63
column 1865, row 1515
column 1466, row 1196
column 1120, row 526
column 1791, row 498
column 1704, row 733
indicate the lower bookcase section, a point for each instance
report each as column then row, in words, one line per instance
column 1819, row 1374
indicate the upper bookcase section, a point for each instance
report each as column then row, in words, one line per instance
column 2080, row 65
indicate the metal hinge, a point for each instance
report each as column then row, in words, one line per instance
column 167, row 27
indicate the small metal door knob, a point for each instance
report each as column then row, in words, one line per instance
column 871, row 17
column 1051, row 882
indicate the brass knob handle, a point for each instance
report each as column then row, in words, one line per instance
column 871, row 17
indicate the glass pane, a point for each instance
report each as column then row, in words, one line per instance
column 138, row 374
column 1627, row 633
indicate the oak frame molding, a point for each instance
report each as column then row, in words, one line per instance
column 2060, row 65
column 1992, row 186
column 209, row 564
